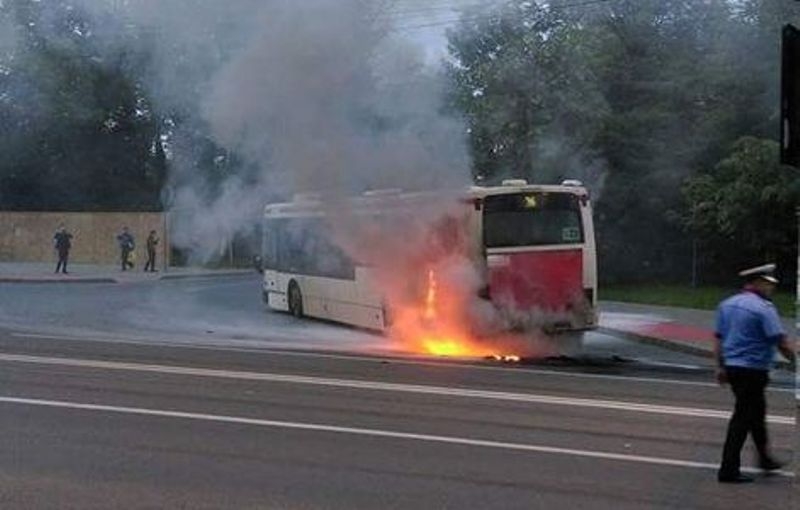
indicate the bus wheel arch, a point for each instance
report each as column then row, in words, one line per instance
column 295, row 299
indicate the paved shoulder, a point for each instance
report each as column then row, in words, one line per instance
column 92, row 273
column 681, row 329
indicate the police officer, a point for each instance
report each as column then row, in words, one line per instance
column 748, row 331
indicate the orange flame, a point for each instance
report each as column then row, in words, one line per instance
column 430, row 296
column 441, row 330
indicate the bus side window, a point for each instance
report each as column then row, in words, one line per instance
column 269, row 235
column 301, row 246
column 279, row 234
column 330, row 259
column 289, row 246
column 304, row 246
column 343, row 265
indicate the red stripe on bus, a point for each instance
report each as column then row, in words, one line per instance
column 546, row 280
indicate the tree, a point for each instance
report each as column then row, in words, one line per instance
column 521, row 81
column 743, row 210
column 664, row 69
column 79, row 132
column 651, row 92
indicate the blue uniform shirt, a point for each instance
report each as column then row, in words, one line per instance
column 750, row 330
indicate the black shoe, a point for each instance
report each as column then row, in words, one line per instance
column 740, row 478
column 769, row 464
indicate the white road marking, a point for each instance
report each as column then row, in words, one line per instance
column 371, row 358
column 528, row 398
column 661, row 461
column 524, row 370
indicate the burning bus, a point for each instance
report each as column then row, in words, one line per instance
column 447, row 274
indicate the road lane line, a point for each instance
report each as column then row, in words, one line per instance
column 528, row 398
column 661, row 461
column 371, row 358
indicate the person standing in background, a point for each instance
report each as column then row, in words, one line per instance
column 62, row 242
column 126, row 246
column 152, row 242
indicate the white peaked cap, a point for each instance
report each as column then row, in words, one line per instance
column 767, row 272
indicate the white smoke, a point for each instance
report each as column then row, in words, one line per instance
column 302, row 96
column 320, row 103
column 8, row 39
column 310, row 96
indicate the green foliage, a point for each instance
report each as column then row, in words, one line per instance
column 638, row 96
column 684, row 296
column 666, row 75
column 666, row 108
column 744, row 208
column 522, row 83
column 79, row 132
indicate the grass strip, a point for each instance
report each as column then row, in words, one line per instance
column 684, row 296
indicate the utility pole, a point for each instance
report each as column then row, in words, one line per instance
column 790, row 143
column 790, row 97
column 790, row 109
column 694, row 245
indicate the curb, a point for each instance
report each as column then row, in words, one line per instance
column 659, row 342
column 675, row 346
column 23, row 279
column 120, row 280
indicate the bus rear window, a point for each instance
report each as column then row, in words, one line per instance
column 531, row 219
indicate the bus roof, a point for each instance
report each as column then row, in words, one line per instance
column 482, row 191
column 312, row 203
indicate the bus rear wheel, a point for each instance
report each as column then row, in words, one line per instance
column 295, row 300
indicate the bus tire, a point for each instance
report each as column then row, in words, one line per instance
column 295, row 300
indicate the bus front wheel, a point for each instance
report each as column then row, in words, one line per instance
column 295, row 300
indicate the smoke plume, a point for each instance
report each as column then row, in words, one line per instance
column 310, row 96
column 303, row 96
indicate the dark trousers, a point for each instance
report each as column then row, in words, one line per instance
column 126, row 259
column 151, row 260
column 62, row 262
column 749, row 416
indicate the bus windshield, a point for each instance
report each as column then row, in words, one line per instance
column 531, row 219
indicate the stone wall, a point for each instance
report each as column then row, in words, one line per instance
column 28, row 236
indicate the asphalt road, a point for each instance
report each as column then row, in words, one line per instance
column 225, row 312
column 111, row 409
column 215, row 311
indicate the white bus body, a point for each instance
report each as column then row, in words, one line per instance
column 535, row 245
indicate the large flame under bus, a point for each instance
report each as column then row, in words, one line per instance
column 533, row 247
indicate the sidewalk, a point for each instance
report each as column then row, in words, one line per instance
column 681, row 329
column 24, row 272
